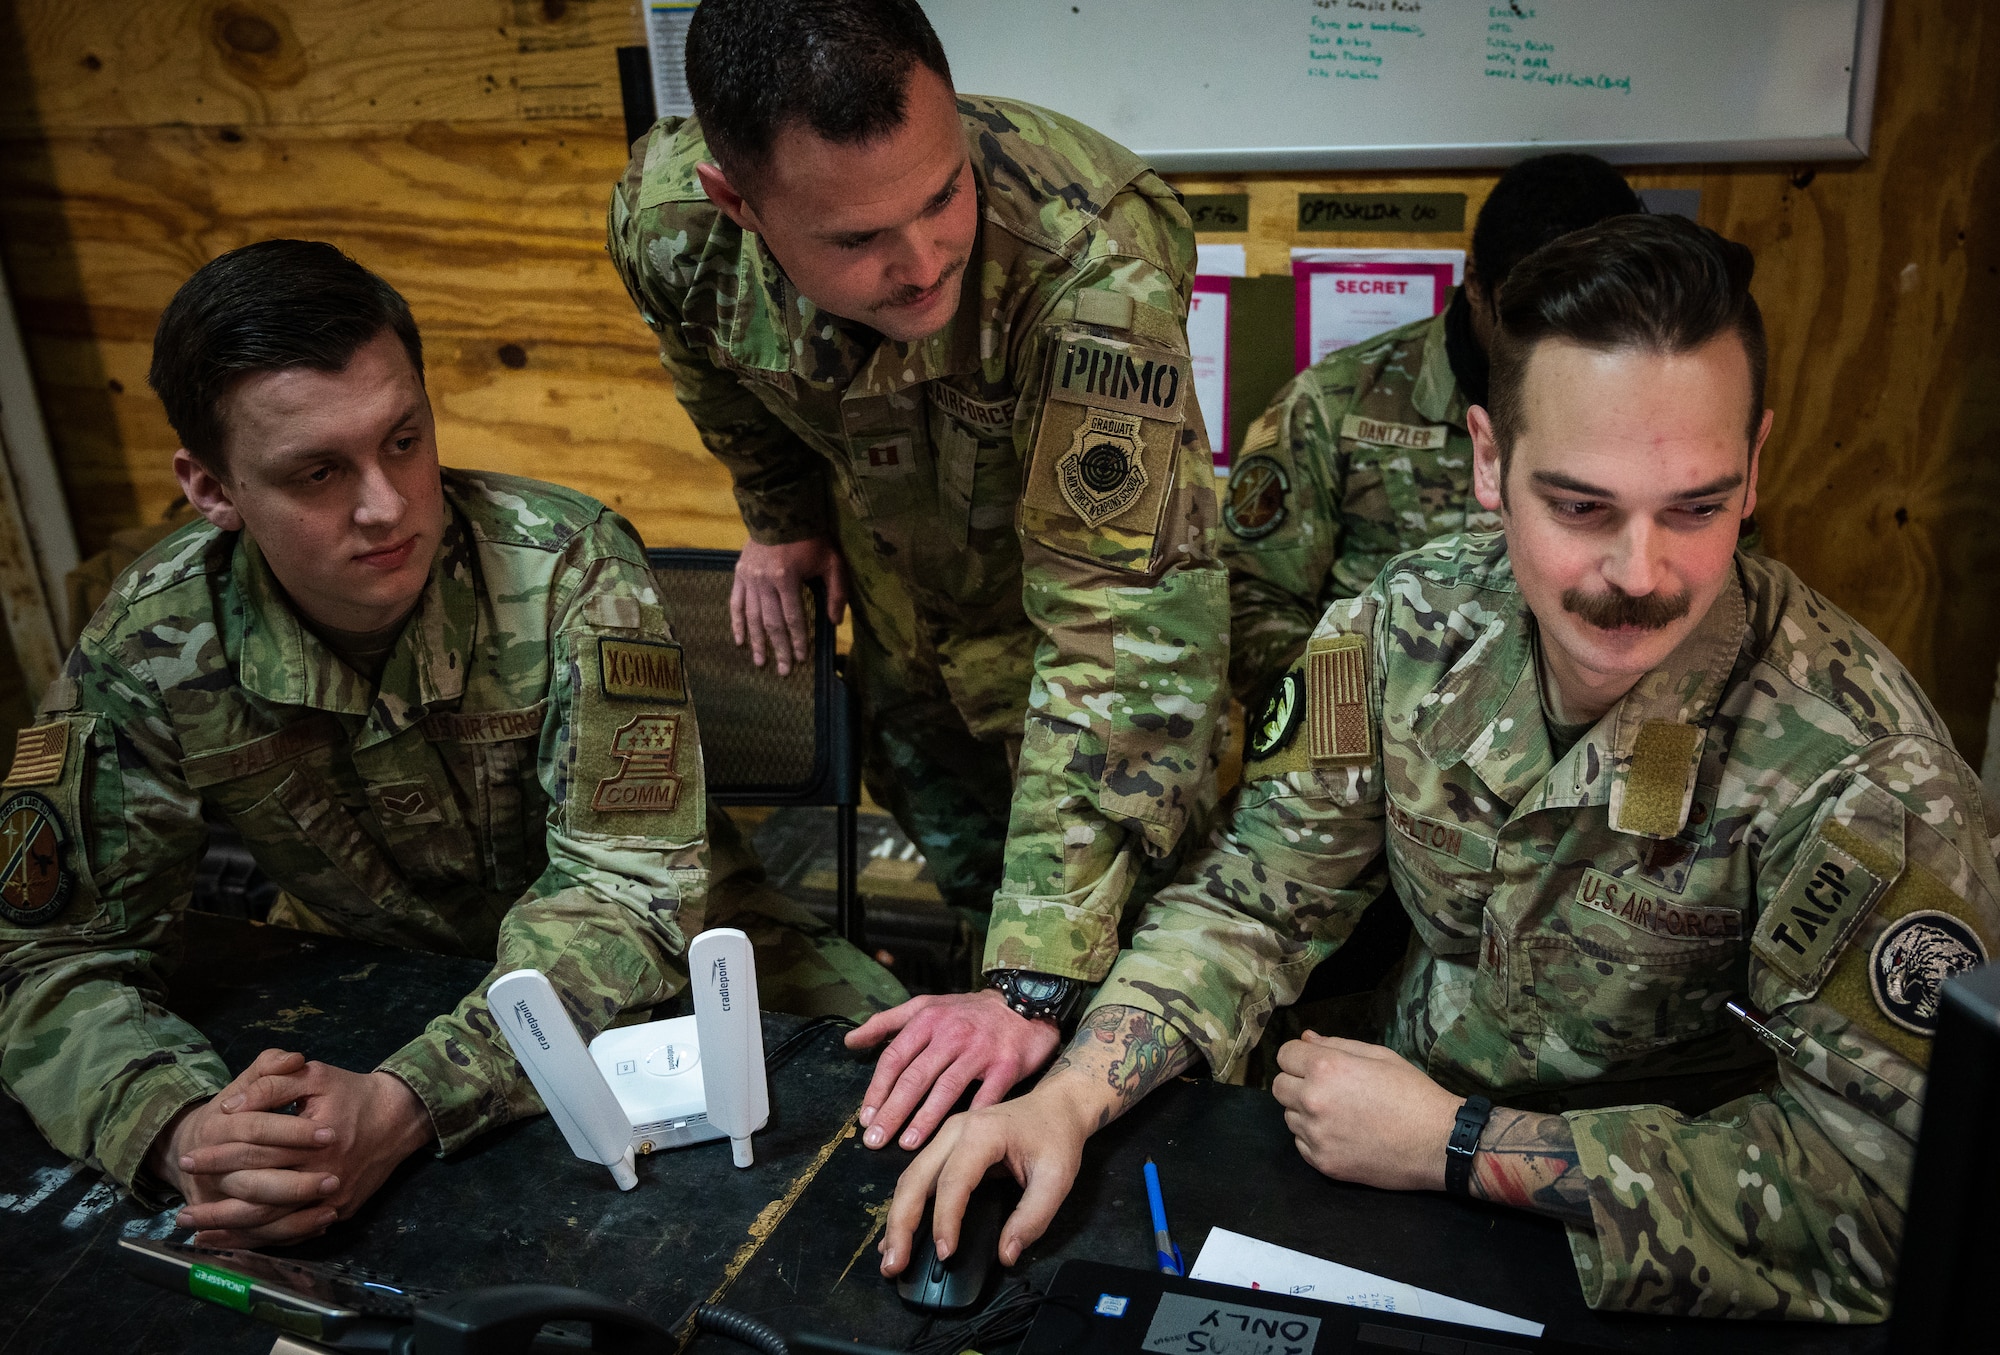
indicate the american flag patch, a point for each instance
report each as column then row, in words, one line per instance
column 1337, row 728
column 39, row 755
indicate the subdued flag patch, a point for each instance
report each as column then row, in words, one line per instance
column 39, row 755
column 1337, row 728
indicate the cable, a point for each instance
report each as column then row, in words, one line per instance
column 797, row 1039
column 1006, row 1318
column 740, row 1327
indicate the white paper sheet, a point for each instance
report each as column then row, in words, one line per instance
column 1221, row 261
column 1232, row 1258
column 1208, row 346
column 1341, row 254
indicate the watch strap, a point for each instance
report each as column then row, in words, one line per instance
column 1464, row 1144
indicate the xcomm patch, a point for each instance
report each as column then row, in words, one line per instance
column 1280, row 718
column 35, row 881
column 1911, row 961
column 1254, row 505
column 642, row 670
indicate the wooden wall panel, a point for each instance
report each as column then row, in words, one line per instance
column 463, row 148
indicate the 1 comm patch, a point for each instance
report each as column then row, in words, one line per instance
column 645, row 782
column 35, row 880
column 642, row 670
column 1911, row 961
column 1280, row 718
column 1254, row 505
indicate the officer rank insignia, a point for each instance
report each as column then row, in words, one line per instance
column 1280, row 717
column 1911, row 961
column 1254, row 505
column 35, row 879
column 645, row 782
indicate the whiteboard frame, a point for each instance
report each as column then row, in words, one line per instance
column 1853, row 145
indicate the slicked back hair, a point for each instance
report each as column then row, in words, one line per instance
column 264, row 308
column 836, row 67
column 1656, row 284
column 1540, row 200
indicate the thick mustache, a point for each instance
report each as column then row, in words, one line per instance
column 1618, row 608
column 903, row 296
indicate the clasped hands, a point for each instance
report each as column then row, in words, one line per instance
column 253, row 1176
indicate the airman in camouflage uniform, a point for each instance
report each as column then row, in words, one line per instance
column 1774, row 815
column 1022, row 501
column 524, row 785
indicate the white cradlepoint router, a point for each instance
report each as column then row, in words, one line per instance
column 646, row 1088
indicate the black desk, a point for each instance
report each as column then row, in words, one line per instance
column 791, row 1239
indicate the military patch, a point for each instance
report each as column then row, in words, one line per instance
column 1255, row 503
column 406, row 804
column 989, row 415
column 1130, row 378
column 642, row 670
column 645, row 782
column 1649, row 913
column 35, row 881
column 1415, row 436
column 485, row 726
column 1911, row 961
column 39, row 755
column 1815, row 910
column 1651, row 794
column 1103, row 472
column 1280, row 718
column 1337, row 728
column 890, row 457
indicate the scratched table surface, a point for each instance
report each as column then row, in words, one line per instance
column 1226, row 1160
column 516, row 1206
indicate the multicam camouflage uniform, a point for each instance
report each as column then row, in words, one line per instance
column 1364, row 455
column 1774, row 815
column 525, row 785
column 1022, row 500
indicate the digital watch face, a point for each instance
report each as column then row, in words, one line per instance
column 1036, row 987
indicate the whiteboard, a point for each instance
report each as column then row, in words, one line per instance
column 1221, row 85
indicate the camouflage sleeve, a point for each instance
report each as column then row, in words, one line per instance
column 1130, row 602
column 102, row 837
column 1281, row 527
column 779, row 481
column 1876, row 887
column 1276, row 892
column 621, row 760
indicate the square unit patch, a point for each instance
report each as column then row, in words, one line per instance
column 645, row 782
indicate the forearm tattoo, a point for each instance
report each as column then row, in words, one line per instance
column 1529, row 1161
column 1135, row 1051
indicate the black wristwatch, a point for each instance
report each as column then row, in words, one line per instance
column 1464, row 1145
column 1038, row 996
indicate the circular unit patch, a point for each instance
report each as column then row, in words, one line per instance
column 1280, row 720
column 35, row 880
column 1911, row 962
column 1254, row 504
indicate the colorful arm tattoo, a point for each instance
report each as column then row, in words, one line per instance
column 1135, row 1051
column 1529, row 1161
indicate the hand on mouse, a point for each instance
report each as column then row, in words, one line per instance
column 1117, row 1055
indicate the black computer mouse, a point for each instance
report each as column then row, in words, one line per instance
column 933, row 1286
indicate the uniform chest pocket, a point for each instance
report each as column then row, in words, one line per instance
column 513, row 812
column 1622, row 974
column 978, row 489
column 1444, row 873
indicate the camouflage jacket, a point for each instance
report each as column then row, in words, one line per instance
column 1775, row 815
column 1023, row 500
column 1364, row 455
column 525, row 785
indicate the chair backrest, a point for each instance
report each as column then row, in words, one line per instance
column 765, row 739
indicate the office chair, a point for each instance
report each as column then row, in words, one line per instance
column 765, row 739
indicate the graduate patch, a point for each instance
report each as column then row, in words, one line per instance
column 1816, row 909
column 1255, row 503
column 39, row 755
column 1103, row 472
column 1280, row 718
column 645, row 781
column 1337, row 728
column 1911, row 961
column 35, row 878
column 642, row 670
column 1415, row 436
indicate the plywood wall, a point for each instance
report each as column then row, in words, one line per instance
column 464, row 148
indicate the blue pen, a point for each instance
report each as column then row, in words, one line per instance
column 1170, row 1255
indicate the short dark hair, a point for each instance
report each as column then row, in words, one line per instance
column 1540, row 200
column 263, row 308
column 1660, row 284
column 839, row 67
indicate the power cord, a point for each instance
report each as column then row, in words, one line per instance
column 1006, row 1318
column 798, row 1039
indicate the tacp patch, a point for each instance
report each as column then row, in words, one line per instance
column 642, row 670
column 645, row 781
column 1415, row 436
column 1279, row 720
column 40, row 753
column 1255, row 504
column 35, row 877
column 1816, row 909
column 1912, row 959
column 1337, row 728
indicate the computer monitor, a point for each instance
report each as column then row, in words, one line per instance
column 1951, row 1238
